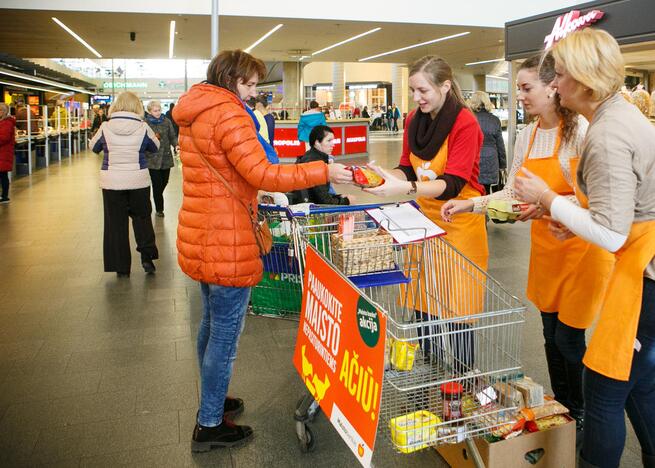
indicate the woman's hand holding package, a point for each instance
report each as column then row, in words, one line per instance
column 392, row 185
column 453, row 207
column 531, row 212
column 532, row 189
column 559, row 231
column 338, row 174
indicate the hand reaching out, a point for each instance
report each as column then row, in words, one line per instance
column 392, row 185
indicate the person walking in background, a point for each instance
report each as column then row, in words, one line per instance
column 125, row 182
column 492, row 158
column 161, row 161
column 271, row 154
column 99, row 118
column 262, row 106
column 59, row 119
column 262, row 127
column 169, row 116
column 395, row 115
column 7, row 142
column 224, row 165
column 308, row 120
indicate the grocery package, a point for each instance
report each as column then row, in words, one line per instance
column 505, row 211
column 365, row 177
column 451, row 394
column 549, row 408
column 509, row 395
column 364, row 252
column 402, row 354
column 533, row 393
column 414, row 431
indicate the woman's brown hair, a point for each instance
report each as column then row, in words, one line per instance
column 437, row 71
column 229, row 66
column 544, row 66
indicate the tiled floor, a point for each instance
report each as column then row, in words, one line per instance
column 99, row 371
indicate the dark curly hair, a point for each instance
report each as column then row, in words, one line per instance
column 544, row 65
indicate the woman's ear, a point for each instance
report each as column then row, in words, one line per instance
column 445, row 86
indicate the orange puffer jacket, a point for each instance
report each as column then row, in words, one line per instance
column 215, row 240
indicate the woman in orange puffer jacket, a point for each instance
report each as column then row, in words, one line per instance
column 215, row 241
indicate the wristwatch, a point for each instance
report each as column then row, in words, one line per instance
column 414, row 188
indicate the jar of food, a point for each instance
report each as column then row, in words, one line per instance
column 451, row 395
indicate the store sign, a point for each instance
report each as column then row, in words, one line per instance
column 124, row 84
column 356, row 139
column 340, row 354
column 286, row 143
column 570, row 22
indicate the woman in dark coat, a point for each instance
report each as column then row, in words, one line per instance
column 7, row 141
column 160, row 163
column 492, row 157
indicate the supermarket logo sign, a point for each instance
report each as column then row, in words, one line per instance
column 571, row 22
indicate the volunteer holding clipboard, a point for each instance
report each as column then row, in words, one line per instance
column 617, row 174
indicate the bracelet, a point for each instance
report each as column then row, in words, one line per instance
column 541, row 196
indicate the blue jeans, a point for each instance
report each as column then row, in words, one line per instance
column 224, row 311
column 606, row 399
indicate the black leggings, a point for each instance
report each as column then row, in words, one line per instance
column 159, row 178
column 4, row 180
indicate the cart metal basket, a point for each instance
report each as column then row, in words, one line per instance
column 453, row 334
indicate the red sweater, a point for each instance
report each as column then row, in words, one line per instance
column 7, row 141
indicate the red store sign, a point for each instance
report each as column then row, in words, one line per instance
column 570, row 22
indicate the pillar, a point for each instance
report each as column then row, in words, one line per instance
column 399, row 89
column 511, row 120
column 479, row 82
column 338, row 84
column 291, row 84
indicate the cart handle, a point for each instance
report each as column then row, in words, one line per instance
column 317, row 209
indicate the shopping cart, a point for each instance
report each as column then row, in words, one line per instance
column 279, row 292
column 453, row 334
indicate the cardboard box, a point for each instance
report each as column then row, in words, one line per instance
column 558, row 444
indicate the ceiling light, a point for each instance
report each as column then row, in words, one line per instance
column 498, row 77
column 347, row 40
column 263, row 37
column 72, row 33
column 171, row 40
column 302, row 57
column 484, row 61
column 44, row 81
column 415, row 45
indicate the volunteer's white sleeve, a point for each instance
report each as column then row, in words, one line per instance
column 579, row 221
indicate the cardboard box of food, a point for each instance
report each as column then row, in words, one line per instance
column 557, row 444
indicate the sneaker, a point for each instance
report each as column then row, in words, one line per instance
column 226, row 435
column 148, row 266
column 233, row 407
column 4, row 201
column 159, row 214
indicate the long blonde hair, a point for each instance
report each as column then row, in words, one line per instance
column 437, row 72
column 480, row 100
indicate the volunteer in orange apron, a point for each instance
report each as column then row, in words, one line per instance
column 617, row 174
column 548, row 147
column 440, row 161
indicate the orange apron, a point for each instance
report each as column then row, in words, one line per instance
column 613, row 343
column 453, row 289
column 569, row 277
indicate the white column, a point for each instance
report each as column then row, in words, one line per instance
column 511, row 119
column 338, row 84
column 399, row 89
column 214, row 29
column 291, row 84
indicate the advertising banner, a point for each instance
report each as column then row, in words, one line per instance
column 355, row 137
column 340, row 354
column 287, row 144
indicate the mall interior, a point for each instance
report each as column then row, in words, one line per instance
column 97, row 370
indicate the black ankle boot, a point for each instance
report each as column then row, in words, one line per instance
column 226, row 435
column 648, row 460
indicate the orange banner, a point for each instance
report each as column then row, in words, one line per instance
column 340, row 354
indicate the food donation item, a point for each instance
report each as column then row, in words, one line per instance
column 365, row 177
column 533, row 393
column 451, row 393
column 505, row 211
column 402, row 354
column 414, row 431
column 549, row 408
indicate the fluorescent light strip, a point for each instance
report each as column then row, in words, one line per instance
column 346, row 41
column 72, row 33
column 484, row 61
column 498, row 77
column 415, row 45
column 263, row 37
column 19, row 85
column 44, row 81
column 171, row 40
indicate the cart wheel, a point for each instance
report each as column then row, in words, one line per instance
column 308, row 443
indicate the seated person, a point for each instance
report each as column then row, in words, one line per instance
column 321, row 140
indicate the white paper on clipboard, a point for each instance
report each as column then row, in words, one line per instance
column 405, row 223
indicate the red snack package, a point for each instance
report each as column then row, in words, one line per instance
column 365, row 177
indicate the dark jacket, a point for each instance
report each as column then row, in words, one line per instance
column 163, row 128
column 319, row 194
column 270, row 124
column 492, row 154
column 169, row 115
column 21, row 120
column 97, row 121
